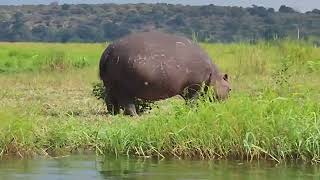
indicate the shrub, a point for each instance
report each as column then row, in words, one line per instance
column 99, row 92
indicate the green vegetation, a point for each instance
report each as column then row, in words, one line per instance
column 273, row 112
column 99, row 91
column 210, row 23
column 21, row 57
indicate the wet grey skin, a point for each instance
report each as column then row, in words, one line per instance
column 153, row 66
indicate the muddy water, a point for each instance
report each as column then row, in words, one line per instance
column 91, row 167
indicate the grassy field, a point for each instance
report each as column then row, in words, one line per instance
column 47, row 109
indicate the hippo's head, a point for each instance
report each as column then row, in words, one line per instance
column 221, row 86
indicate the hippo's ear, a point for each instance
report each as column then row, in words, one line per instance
column 225, row 77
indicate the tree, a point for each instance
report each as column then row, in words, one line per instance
column 286, row 9
column 258, row 10
column 40, row 32
column 64, row 35
column 92, row 23
column 273, row 32
column 18, row 30
column 65, row 7
column 271, row 10
column 177, row 21
column 316, row 11
column 5, row 31
column 114, row 31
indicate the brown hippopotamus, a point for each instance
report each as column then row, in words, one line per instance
column 153, row 66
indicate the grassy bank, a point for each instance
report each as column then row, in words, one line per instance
column 273, row 113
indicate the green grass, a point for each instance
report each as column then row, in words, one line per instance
column 273, row 112
column 24, row 57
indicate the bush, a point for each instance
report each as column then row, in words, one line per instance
column 99, row 92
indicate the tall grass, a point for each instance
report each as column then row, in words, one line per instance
column 22, row 57
column 273, row 112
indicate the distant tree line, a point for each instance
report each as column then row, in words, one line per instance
column 104, row 22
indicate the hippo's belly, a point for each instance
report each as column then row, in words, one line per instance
column 154, row 86
column 154, row 91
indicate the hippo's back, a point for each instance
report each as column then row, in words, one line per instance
column 161, row 46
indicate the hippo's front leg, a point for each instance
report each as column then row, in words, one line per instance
column 190, row 94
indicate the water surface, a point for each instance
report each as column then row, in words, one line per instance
column 79, row 167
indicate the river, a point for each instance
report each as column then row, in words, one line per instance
column 83, row 167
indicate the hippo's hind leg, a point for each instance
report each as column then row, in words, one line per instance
column 116, row 98
column 111, row 101
column 113, row 106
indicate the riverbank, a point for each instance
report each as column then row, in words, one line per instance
column 273, row 112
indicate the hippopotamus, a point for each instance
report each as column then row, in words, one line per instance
column 156, row 65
